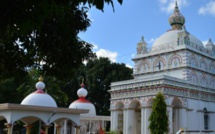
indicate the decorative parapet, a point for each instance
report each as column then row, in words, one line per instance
column 166, row 84
column 173, row 46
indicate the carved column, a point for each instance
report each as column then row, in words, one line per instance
column 183, row 118
column 145, row 113
column 170, row 116
column 9, row 128
column 77, row 129
column 114, row 119
column 28, row 128
column 57, row 129
column 65, row 127
column 124, row 121
column 129, row 125
column 46, row 128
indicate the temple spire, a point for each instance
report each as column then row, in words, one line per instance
column 176, row 20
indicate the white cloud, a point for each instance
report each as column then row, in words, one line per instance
column 209, row 8
column 129, row 66
column 163, row 1
column 106, row 53
column 95, row 47
column 169, row 5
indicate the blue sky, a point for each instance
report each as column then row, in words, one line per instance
column 115, row 34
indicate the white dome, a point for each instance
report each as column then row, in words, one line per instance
column 84, row 105
column 39, row 99
column 172, row 37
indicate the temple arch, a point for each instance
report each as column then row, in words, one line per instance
column 176, row 114
column 144, row 66
column 203, row 64
column 175, row 61
column 159, row 64
column 193, row 61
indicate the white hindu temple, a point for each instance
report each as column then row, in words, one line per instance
column 179, row 66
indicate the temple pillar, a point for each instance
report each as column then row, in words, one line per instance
column 170, row 117
column 9, row 128
column 142, row 120
column 124, row 121
column 57, row 129
column 28, row 128
column 145, row 113
column 46, row 128
column 130, row 121
column 65, row 127
column 77, row 129
column 113, row 120
column 183, row 118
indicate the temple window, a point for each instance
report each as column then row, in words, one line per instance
column 193, row 79
column 204, row 82
column 175, row 62
column 192, row 62
column 144, row 68
column 202, row 65
column 159, row 66
column 211, row 68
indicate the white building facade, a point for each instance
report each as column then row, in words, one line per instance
column 179, row 66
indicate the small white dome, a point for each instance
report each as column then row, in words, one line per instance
column 82, row 103
column 39, row 99
column 172, row 37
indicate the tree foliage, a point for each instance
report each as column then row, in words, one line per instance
column 97, row 74
column 100, row 72
column 159, row 118
column 44, row 34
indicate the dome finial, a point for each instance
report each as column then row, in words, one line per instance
column 142, row 38
column 40, row 85
column 176, row 20
column 176, row 4
column 82, row 84
column 41, row 78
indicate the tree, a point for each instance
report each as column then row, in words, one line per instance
column 43, row 34
column 159, row 118
column 100, row 72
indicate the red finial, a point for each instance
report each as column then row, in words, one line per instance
column 82, row 85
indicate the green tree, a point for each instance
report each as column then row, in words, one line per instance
column 100, row 72
column 159, row 118
column 44, row 34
